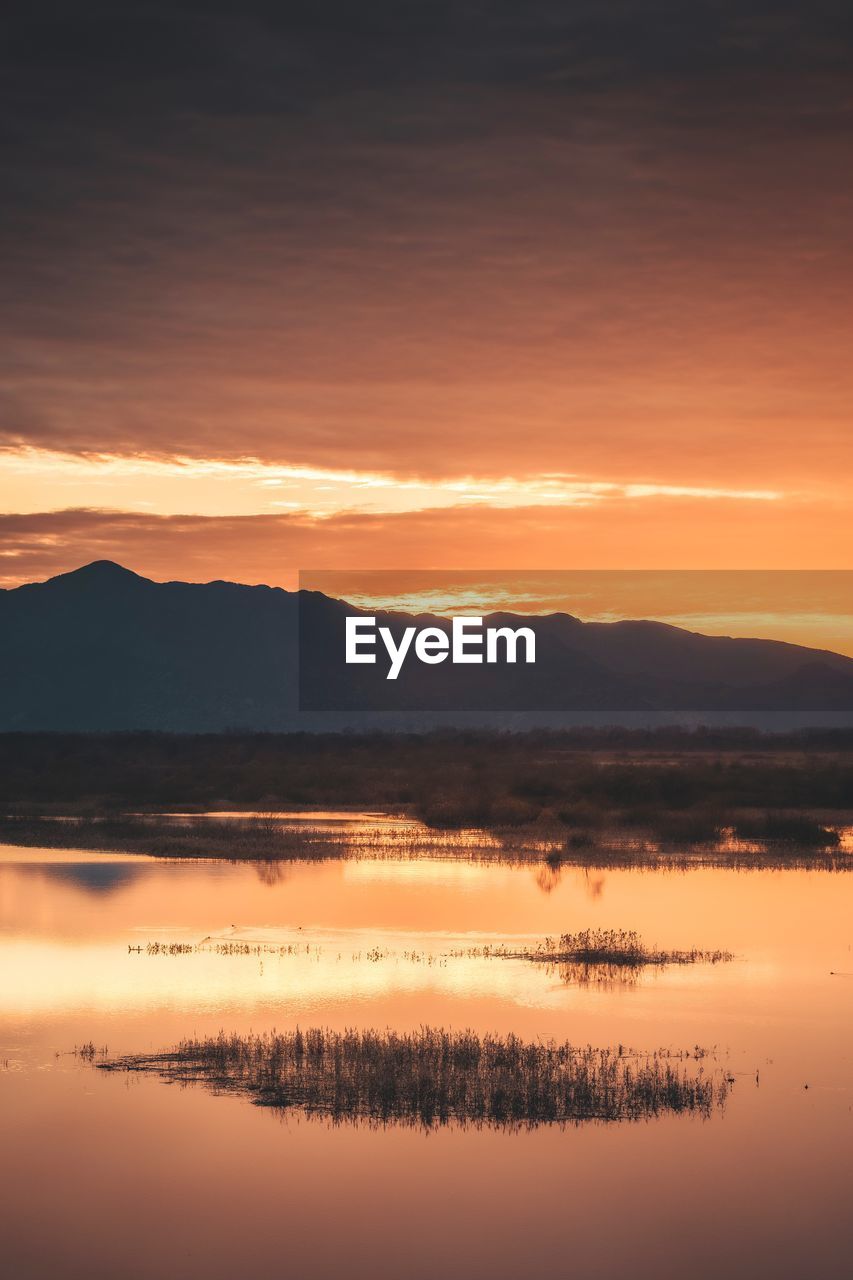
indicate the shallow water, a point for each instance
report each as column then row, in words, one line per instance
column 116, row 1174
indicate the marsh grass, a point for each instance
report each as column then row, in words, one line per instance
column 587, row 791
column 791, row 829
column 592, row 956
column 250, row 838
column 615, row 947
column 89, row 1051
column 764, row 840
column 601, row 956
column 225, row 947
column 433, row 1077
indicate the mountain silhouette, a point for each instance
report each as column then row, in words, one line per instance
column 104, row 649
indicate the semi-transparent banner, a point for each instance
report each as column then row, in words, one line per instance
column 585, row 644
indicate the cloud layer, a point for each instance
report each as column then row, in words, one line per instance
column 477, row 240
column 678, row 533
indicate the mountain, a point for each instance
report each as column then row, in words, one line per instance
column 104, row 649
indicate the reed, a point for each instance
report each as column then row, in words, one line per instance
column 590, row 952
column 269, row 843
column 619, row 947
column 225, row 947
column 432, row 1077
column 249, row 838
column 600, row 956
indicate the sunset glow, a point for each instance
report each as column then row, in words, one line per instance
column 546, row 288
column 34, row 479
column 426, row 639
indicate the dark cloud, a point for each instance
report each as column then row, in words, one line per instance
column 432, row 236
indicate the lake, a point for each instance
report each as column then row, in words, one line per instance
column 118, row 1174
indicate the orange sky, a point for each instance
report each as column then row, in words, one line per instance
column 468, row 288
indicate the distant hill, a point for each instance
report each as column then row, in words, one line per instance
column 105, row 649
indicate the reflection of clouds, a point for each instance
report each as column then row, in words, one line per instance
column 428, row 871
column 20, row 856
column 250, row 967
column 53, row 978
column 93, row 877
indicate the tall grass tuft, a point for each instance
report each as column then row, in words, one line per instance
column 622, row 947
column 432, row 1077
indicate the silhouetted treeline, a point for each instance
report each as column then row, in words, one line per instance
column 578, row 777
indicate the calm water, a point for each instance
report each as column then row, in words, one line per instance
column 111, row 1175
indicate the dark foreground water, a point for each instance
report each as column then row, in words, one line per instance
column 111, row 1174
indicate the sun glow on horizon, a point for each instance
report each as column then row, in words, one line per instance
column 37, row 480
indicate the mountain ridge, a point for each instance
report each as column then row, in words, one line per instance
column 102, row 648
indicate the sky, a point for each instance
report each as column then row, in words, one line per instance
column 416, row 284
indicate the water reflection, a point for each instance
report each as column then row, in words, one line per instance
column 76, row 933
column 224, row 1191
column 93, row 876
column 269, row 838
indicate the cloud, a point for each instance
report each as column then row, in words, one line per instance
column 38, row 479
column 674, row 533
column 434, row 239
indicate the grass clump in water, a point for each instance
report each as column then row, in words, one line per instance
column 602, row 956
column 432, row 1077
column 619, row 947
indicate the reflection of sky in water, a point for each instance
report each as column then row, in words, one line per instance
column 378, row 933
column 226, row 1189
column 93, row 876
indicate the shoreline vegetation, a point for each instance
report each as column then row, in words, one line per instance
column 434, row 1077
column 767, row 840
column 609, row 797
